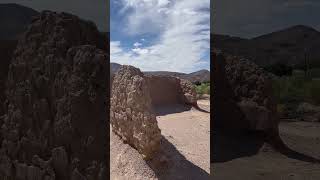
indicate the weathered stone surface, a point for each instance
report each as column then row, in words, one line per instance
column 189, row 94
column 243, row 98
column 60, row 161
column 76, row 175
column 132, row 115
column 6, row 52
column 56, row 94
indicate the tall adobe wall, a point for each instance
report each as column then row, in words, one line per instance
column 243, row 97
column 164, row 90
column 55, row 126
column 132, row 115
column 170, row 90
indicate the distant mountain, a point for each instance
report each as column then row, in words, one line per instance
column 198, row 76
column 14, row 20
column 287, row 46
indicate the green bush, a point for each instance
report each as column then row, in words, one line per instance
column 203, row 88
column 296, row 89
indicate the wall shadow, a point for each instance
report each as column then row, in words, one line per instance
column 282, row 148
column 229, row 146
column 176, row 166
column 170, row 109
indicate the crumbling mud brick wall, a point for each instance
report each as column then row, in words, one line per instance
column 169, row 90
column 243, row 97
column 132, row 115
column 55, row 126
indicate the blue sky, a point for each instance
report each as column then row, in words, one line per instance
column 166, row 35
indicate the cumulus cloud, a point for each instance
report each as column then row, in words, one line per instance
column 183, row 41
column 137, row 44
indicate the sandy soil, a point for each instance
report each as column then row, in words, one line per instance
column 185, row 146
column 253, row 160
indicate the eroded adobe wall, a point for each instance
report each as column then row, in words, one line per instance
column 7, row 48
column 164, row 90
column 169, row 90
column 243, row 97
column 56, row 123
column 132, row 114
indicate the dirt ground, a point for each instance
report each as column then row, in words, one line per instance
column 250, row 159
column 185, row 146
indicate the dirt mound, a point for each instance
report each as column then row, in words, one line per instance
column 243, row 98
column 131, row 112
column 55, row 126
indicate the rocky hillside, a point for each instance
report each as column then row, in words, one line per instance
column 14, row 20
column 198, row 76
column 287, row 46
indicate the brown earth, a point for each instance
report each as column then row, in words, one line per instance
column 185, row 151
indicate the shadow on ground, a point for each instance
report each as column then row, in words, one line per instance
column 171, row 109
column 292, row 154
column 227, row 146
column 176, row 108
column 177, row 166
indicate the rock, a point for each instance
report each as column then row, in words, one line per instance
column 258, row 116
column 56, row 95
column 5, row 166
column 60, row 161
column 21, row 170
column 7, row 48
column 76, row 175
column 34, row 173
column 189, row 94
column 309, row 112
column 243, row 96
column 131, row 112
column 307, row 108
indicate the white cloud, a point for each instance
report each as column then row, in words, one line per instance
column 141, row 51
column 146, row 16
column 183, row 41
column 115, row 47
column 137, row 44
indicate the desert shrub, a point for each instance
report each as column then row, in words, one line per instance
column 296, row 89
column 203, row 88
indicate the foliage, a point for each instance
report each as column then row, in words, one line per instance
column 203, row 88
column 296, row 89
